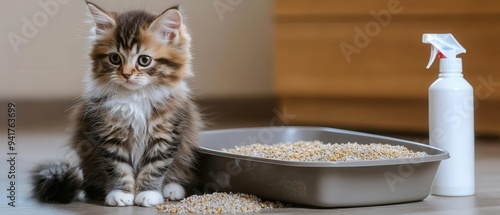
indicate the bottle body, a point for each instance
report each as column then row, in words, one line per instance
column 451, row 127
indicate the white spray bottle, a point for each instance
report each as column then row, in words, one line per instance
column 451, row 118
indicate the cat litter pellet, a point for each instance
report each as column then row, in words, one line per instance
column 217, row 203
column 316, row 151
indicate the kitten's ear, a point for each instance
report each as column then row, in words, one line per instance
column 103, row 21
column 167, row 25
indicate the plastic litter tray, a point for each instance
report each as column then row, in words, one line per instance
column 321, row 184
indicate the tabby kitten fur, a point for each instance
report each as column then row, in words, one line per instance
column 136, row 128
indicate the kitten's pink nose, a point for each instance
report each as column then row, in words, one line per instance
column 127, row 75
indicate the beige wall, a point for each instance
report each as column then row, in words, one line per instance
column 232, row 54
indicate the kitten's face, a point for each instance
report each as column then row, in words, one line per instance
column 136, row 50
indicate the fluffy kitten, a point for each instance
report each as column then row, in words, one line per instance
column 136, row 128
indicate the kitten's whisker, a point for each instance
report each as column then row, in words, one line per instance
column 82, row 30
column 81, row 37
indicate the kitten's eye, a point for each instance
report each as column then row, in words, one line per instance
column 144, row 60
column 115, row 59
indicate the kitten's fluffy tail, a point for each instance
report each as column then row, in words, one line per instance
column 57, row 182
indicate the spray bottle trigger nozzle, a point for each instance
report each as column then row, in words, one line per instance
column 444, row 45
column 434, row 52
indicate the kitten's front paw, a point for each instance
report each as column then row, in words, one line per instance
column 173, row 191
column 149, row 198
column 119, row 198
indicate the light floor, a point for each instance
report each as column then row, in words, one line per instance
column 39, row 142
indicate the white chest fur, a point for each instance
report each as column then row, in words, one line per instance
column 131, row 110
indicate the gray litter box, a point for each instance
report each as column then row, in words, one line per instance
column 321, row 184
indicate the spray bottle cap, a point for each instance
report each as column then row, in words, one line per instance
column 447, row 47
